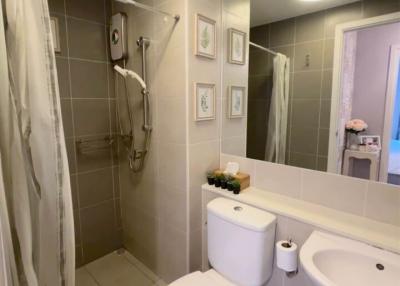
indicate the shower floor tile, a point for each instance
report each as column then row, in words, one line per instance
column 116, row 270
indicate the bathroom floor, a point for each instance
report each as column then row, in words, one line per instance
column 116, row 270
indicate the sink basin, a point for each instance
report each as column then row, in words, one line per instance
column 331, row 260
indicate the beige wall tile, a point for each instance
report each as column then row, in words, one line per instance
column 275, row 178
column 172, row 164
column 246, row 165
column 383, row 203
column 334, row 191
column 171, row 123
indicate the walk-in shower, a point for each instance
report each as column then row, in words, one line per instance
column 136, row 156
column 118, row 43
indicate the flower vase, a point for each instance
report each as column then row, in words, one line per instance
column 353, row 141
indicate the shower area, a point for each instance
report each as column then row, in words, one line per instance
column 129, row 211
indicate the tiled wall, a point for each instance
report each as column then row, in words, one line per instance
column 310, row 96
column 88, row 104
column 204, row 137
column 373, row 200
column 154, row 201
column 376, row 201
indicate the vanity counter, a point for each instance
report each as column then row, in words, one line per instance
column 359, row 228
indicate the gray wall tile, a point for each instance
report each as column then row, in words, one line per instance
column 92, row 10
column 310, row 27
column 86, row 116
column 66, row 111
column 308, row 56
column 99, row 235
column 63, row 77
column 56, row 6
column 88, row 79
column 95, row 187
column 282, row 33
column 86, row 40
column 307, row 84
column 305, row 112
column 340, row 15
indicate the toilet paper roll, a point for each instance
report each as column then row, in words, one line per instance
column 286, row 255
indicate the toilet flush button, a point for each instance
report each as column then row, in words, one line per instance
column 238, row 209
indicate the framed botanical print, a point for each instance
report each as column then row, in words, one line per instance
column 236, row 101
column 204, row 103
column 55, row 34
column 205, row 37
column 236, row 47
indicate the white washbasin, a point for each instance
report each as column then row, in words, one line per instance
column 331, row 260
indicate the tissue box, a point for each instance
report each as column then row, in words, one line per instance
column 243, row 178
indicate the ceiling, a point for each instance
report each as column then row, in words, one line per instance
column 268, row 11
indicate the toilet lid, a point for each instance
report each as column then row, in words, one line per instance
column 209, row 278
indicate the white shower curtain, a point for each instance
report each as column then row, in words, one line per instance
column 275, row 150
column 32, row 147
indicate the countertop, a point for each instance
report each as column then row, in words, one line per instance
column 379, row 234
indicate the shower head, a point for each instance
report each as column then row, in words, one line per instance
column 125, row 73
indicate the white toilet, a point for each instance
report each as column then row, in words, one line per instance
column 240, row 246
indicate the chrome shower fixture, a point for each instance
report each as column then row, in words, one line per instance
column 126, row 72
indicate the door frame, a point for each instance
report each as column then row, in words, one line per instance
column 389, row 110
column 341, row 29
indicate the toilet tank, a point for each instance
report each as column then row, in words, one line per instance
column 240, row 241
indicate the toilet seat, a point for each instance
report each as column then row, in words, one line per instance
column 209, row 278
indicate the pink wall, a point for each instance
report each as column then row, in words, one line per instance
column 372, row 64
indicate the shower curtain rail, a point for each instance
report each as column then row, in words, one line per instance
column 149, row 8
column 262, row 48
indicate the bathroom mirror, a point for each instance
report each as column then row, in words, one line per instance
column 313, row 67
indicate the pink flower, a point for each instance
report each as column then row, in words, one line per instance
column 356, row 125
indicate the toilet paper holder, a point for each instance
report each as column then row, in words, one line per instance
column 288, row 244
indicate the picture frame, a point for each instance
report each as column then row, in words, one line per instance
column 236, row 101
column 204, row 101
column 371, row 140
column 55, row 31
column 205, row 37
column 236, row 46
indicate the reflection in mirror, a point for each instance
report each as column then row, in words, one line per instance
column 300, row 98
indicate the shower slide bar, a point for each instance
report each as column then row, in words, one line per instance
column 149, row 8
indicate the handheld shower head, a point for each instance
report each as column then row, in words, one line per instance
column 125, row 73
